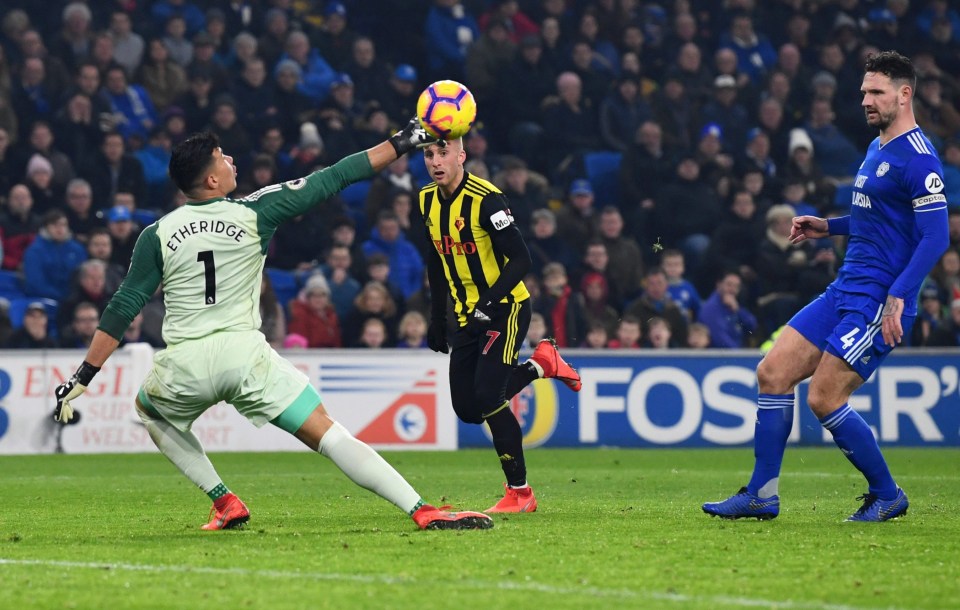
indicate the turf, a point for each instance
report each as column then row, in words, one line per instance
column 616, row 528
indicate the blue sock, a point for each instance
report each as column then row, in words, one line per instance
column 774, row 421
column 857, row 442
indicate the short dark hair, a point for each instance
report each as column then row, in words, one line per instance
column 190, row 158
column 894, row 65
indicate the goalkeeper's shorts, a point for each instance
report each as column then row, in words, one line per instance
column 239, row 368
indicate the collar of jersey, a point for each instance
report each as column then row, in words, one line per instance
column 204, row 201
column 466, row 176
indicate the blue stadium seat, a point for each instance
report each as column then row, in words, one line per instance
column 285, row 285
column 10, row 285
column 355, row 195
column 145, row 217
column 603, row 171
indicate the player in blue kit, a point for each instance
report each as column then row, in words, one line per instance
column 898, row 229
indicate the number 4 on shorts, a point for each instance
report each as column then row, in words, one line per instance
column 493, row 334
column 848, row 339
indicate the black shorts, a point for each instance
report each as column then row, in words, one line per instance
column 480, row 364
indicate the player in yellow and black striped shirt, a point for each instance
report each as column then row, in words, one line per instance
column 480, row 259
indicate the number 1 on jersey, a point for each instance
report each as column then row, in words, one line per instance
column 210, row 275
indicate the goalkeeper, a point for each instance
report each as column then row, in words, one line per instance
column 209, row 256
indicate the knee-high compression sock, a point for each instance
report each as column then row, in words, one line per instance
column 508, row 441
column 184, row 450
column 366, row 468
column 521, row 376
column 774, row 421
column 856, row 441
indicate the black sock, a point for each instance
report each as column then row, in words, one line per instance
column 519, row 378
column 508, row 441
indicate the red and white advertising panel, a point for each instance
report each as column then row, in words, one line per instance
column 391, row 400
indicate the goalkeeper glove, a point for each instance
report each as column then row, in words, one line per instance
column 72, row 388
column 437, row 336
column 413, row 135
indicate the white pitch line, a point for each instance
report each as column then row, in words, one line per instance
column 526, row 586
column 854, row 474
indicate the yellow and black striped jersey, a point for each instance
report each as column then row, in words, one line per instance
column 473, row 234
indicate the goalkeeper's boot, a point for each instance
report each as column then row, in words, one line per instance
column 875, row 509
column 515, row 500
column 429, row 517
column 744, row 505
column 232, row 514
column 548, row 357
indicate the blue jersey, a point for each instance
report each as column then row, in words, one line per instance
column 898, row 201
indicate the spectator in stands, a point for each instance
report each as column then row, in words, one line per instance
column 947, row 333
column 686, row 213
column 573, row 123
column 334, row 39
column 935, row 110
column 343, row 286
column 313, row 316
column 779, row 265
column 34, row 96
column 655, row 301
column 485, row 61
column 837, row 155
column 373, row 334
column 413, row 331
column 74, row 40
column 41, row 142
column 406, row 265
column 128, row 45
column 729, row 322
column 133, row 112
column 716, row 165
column 562, row 312
column 204, row 49
column 164, row 79
column 369, row 74
column 233, row 135
column 519, row 24
column 242, row 50
column 690, row 70
column 49, row 262
column 296, row 106
column 163, row 10
column 19, row 224
column 675, row 113
column 373, row 302
column 595, row 296
column 545, row 245
column 698, row 336
column 7, row 175
column 626, row 265
column 123, row 235
column 726, row 110
column 112, row 171
column 803, row 168
column 681, row 290
column 89, row 286
column 523, row 85
column 758, row 154
column 273, row 317
column 196, row 104
column 930, row 315
column 100, row 247
column 525, row 190
column 316, row 73
column 451, row 30
column 78, row 129
column 338, row 118
column 177, row 42
column 645, row 166
column 725, row 63
column 39, row 179
column 946, row 274
column 397, row 177
column 79, row 210
column 659, row 335
column 628, row 334
column 577, row 221
column 344, row 233
column 951, row 171
column 622, row 112
column 378, row 270
column 34, row 332
column 400, row 99
column 755, row 54
column 771, row 116
column 597, row 336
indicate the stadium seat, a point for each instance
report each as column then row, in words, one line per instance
column 145, row 217
column 355, row 195
column 10, row 285
column 603, row 171
column 285, row 286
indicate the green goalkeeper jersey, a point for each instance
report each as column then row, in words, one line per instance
column 209, row 256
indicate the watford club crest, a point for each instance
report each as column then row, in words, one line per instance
column 459, row 223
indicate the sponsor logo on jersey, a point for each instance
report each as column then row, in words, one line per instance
column 927, row 199
column 883, row 169
column 296, row 184
column 933, row 182
column 459, row 223
column 448, row 245
column 861, row 180
column 501, row 220
column 861, row 200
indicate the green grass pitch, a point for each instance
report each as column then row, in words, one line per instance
column 616, row 529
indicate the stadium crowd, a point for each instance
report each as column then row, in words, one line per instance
column 653, row 154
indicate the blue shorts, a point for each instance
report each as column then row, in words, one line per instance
column 847, row 325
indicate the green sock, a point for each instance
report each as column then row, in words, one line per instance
column 218, row 492
column 420, row 503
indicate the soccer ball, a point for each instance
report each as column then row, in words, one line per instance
column 446, row 109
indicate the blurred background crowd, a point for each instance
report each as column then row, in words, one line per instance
column 653, row 154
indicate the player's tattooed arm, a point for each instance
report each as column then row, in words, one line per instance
column 891, row 326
